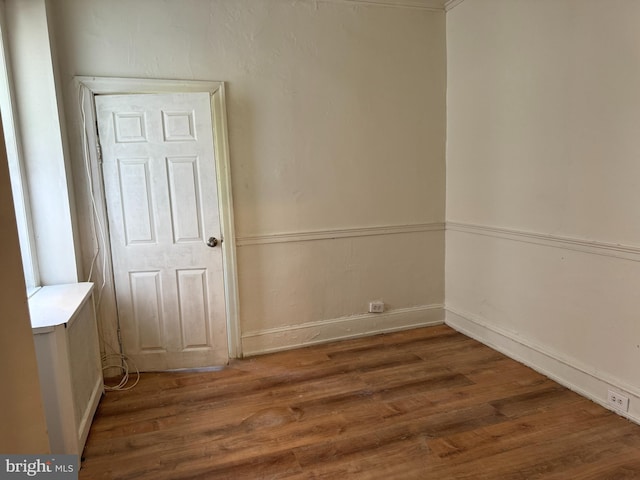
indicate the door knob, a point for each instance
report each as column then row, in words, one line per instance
column 212, row 242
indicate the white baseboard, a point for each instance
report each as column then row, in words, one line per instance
column 311, row 333
column 567, row 372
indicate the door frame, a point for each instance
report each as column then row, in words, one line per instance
column 88, row 87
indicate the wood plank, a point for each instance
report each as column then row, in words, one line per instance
column 422, row 404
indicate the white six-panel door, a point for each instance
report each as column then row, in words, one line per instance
column 161, row 192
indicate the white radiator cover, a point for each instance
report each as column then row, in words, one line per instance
column 68, row 353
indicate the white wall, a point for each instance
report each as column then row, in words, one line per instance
column 543, row 184
column 24, row 430
column 336, row 123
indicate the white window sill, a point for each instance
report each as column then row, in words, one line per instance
column 57, row 305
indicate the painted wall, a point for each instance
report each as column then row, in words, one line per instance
column 336, row 122
column 543, row 184
column 24, row 430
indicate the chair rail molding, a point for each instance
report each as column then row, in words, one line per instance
column 594, row 247
column 332, row 234
column 429, row 5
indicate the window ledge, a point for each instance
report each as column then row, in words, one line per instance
column 57, row 305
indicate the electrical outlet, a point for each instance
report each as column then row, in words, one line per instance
column 618, row 401
column 376, row 307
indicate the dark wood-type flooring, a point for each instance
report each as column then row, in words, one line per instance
column 420, row 404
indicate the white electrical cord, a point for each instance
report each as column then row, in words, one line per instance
column 95, row 217
column 121, row 362
column 124, row 366
column 109, row 360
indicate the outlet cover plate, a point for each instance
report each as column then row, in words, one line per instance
column 376, row 307
column 618, row 401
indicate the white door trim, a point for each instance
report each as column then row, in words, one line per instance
column 90, row 86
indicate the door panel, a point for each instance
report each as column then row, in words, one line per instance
column 192, row 287
column 137, row 206
column 161, row 190
column 184, row 179
column 146, row 298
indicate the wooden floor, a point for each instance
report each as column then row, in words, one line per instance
column 420, row 404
